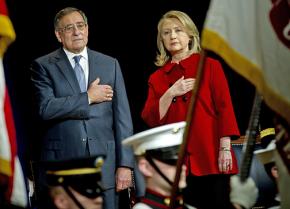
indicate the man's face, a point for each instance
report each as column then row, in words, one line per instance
column 169, row 171
column 72, row 32
column 63, row 200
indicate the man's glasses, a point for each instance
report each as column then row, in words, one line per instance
column 71, row 27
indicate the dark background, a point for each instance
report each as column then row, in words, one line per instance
column 122, row 29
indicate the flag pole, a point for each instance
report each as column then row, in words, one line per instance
column 189, row 116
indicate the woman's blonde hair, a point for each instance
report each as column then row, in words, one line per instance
column 194, row 45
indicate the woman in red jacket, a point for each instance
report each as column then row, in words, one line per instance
column 209, row 157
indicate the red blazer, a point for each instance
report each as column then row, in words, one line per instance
column 213, row 115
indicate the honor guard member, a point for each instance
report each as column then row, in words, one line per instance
column 156, row 151
column 74, row 184
column 245, row 194
column 266, row 156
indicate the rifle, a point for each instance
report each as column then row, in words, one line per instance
column 250, row 138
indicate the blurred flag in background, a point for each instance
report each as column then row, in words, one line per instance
column 253, row 37
column 10, row 167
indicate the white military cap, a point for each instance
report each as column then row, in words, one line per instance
column 160, row 137
column 266, row 155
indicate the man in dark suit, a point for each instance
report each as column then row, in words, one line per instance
column 81, row 98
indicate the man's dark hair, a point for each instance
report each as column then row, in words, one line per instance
column 65, row 12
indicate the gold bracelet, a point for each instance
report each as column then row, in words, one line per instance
column 225, row 149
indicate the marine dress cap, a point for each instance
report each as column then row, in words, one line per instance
column 170, row 135
column 266, row 155
column 82, row 174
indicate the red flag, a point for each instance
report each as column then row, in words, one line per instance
column 9, row 162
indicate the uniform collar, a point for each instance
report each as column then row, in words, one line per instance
column 158, row 200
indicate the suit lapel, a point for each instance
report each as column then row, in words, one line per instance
column 66, row 69
column 94, row 67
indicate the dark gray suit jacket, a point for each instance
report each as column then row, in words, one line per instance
column 71, row 123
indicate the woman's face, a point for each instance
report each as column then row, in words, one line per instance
column 174, row 36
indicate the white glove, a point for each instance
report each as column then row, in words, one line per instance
column 244, row 194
